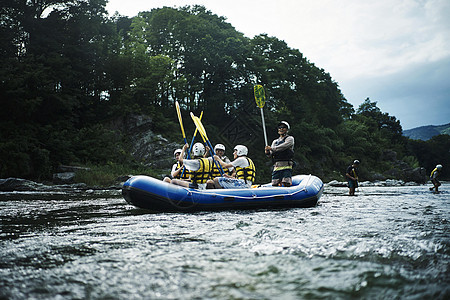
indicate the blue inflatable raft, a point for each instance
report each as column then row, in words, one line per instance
column 153, row 194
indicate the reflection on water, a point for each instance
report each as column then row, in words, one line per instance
column 388, row 242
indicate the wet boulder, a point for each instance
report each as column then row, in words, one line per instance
column 336, row 183
column 151, row 149
column 416, row 175
column 63, row 177
column 19, row 184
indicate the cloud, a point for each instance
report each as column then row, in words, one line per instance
column 348, row 38
column 416, row 95
column 370, row 38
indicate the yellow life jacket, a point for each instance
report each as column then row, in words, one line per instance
column 186, row 173
column 432, row 172
column 203, row 173
column 215, row 172
column 247, row 173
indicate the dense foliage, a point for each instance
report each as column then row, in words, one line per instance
column 67, row 70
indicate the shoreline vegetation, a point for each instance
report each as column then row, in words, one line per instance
column 113, row 182
column 24, row 185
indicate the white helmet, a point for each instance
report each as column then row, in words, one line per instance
column 177, row 151
column 284, row 123
column 241, row 150
column 219, row 147
column 439, row 167
column 198, row 149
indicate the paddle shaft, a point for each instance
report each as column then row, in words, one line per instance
column 180, row 119
column 211, row 150
column 264, row 126
column 193, row 137
column 202, row 130
column 192, row 143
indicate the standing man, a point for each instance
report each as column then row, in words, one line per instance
column 282, row 152
column 352, row 177
column 434, row 175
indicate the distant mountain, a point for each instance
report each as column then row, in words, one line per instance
column 427, row 132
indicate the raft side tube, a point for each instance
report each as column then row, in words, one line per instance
column 156, row 195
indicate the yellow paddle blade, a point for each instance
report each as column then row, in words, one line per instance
column 177, row 105
column 199, row 126
column 200, row 118
column 260, row 95
column 201, row 115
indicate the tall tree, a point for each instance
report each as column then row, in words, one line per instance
column 207, row 51
column 53, row 78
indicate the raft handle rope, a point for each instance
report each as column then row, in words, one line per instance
column 255, row 196
column 190, row 193
column 309, row 178
column 271, row 196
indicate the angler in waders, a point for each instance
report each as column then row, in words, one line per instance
column 352, row 177
column 434, row 178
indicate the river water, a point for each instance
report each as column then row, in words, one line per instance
column 385, row 243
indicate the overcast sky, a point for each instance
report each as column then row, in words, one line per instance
column 396, row 52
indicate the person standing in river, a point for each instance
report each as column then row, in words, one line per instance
column 352, row 177
column 434, row 175
column 282, row 152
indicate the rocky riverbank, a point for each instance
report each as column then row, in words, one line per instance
column 23, row 185
column 388, row 182
column 155, row 152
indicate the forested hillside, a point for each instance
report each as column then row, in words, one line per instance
column 425, row 133
column 67, row 71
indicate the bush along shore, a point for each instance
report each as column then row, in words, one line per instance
column 152, row 156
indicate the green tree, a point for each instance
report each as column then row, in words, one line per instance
column 52, row 81
column 381, row 121
column 432, row 152
column 207, row 51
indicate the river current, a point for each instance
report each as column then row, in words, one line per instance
column 385, row 243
